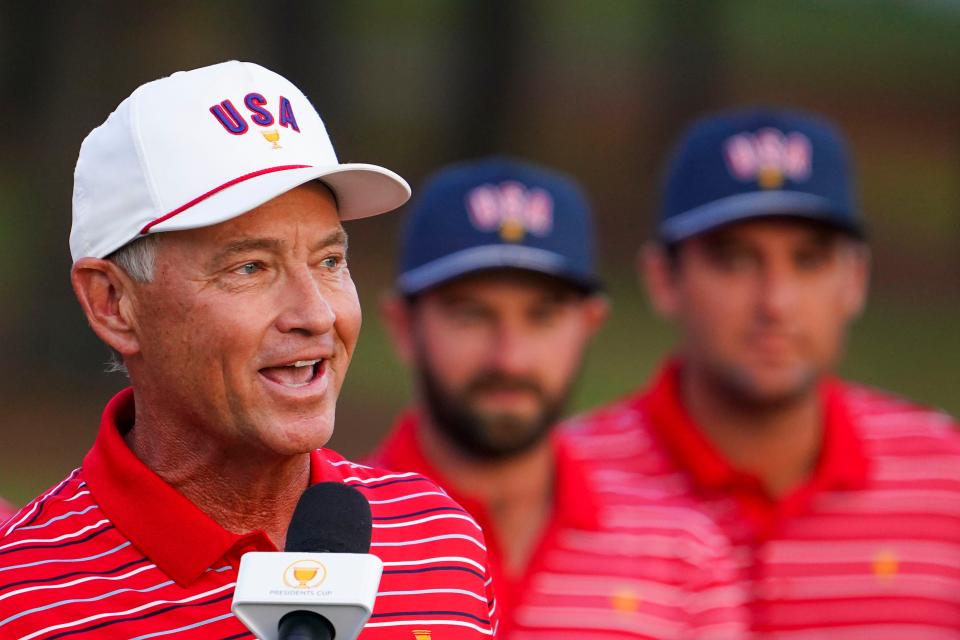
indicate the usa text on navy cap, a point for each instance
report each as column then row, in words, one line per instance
column 497, row 213
column 758, row 163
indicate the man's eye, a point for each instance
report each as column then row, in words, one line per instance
column 810, row 260
column 732, row 259
column 468, row 313
column 331, row 262
column 248, row 269
column 545, row 315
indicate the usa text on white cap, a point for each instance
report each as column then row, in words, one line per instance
column 203, row 146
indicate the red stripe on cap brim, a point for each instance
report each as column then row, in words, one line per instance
column 217, row 189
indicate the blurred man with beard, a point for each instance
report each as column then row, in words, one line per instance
column 842, row 502
column 495, row 304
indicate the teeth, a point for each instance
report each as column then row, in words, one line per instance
column 305, row 363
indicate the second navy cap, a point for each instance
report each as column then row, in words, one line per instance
column 497, row 213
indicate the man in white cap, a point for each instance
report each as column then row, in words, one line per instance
column 209, row 255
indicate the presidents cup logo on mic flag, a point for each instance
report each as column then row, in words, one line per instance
column 305, row 574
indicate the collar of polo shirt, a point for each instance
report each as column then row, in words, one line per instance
column 842, row 464
column 575, row 503
column 150, row 512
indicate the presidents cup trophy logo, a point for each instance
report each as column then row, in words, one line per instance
column 272, row 135
column 305, row 574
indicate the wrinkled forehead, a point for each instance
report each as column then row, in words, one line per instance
column 304, row 217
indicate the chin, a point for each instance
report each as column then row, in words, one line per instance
column 297, row 436
column 774, row 387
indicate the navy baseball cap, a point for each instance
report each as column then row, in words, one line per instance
column 497, row 213
column 758, row 163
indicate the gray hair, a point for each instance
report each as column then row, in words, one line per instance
column 137, row 259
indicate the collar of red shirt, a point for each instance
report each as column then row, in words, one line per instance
column 162, row 523
column 574, row 502
column 842, row 463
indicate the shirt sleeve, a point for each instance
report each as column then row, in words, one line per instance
column 493, row 611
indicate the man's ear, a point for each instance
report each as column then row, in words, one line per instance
column 106, row 294
column 397, row 315
column 596, row 311
column 656, row 272
column 858, row 283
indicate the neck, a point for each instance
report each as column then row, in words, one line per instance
column 517, row 491
column 779, row 443
column 239, row 494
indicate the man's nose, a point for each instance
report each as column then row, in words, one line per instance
column 304, row 306
column 779, row 290
column 512, row 352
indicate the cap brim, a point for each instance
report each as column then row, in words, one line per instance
column 361, row 190
column 748, row 206
column 365, row 190
column 489, row 257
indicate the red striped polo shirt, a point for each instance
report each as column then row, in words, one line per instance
column 620, row 557
column 115, row 552
column 868, row 547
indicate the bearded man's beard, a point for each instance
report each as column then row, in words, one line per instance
column 489, row 435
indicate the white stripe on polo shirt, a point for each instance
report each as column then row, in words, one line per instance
column 411, row 523
column 411, row 496
column 59, row 518
column 78, row 581
column 410, row 543
column 65, row 536
column 186, row 627
column 586, row 618
column 37, row 505
column 142, row 607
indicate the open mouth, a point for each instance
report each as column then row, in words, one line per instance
column 297, row 374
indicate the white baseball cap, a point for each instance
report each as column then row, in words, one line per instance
column 201, row 147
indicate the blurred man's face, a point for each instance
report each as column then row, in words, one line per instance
column 248, row 326
column 763, row 305
column 496, row 355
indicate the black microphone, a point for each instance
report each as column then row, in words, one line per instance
column 330, row 518
column 329, row 580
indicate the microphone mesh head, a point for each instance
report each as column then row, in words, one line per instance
column 331, row 517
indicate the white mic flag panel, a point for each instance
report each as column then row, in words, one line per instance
column 340, row 587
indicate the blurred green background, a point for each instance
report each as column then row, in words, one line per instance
column 598, row 89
